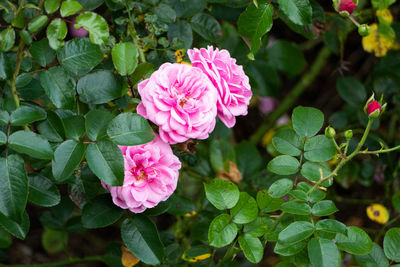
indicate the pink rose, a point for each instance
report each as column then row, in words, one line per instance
column 233, row 86
column 151, row 175
column 181, row 100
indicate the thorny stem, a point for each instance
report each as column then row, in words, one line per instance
column 293, row 95
column 133, row 34
column 345, row 160
column 59, row 263
column 13, row 88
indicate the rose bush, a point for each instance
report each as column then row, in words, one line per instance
column 199, row 133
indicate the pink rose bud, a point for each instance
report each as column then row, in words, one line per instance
column 373, row 109
column 151, row 175
column 347, row 6
column 231, row 83
column 76, row 32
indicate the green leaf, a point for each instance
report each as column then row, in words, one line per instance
column 99, row 87
column 222, row 194
column 125, row 57
column 100, row 212
column 256, row 228
column 26, row 37
column 5, row 238
column 252, row 248
column 288, row 57
column 351, row 91
column 323, row 252
column 289, row 249
column 106, row 161
column 56, row 32
column 74, row 127
column 91, row 4
column 299, row 194
column 70, row 7
column 310, row 170
column 51, row 6
column 295, row 207
column 284, row 165
column 43, row 192
column 54, row 241
column 298, row 11
column 79, row 56
column 7, row 39
column 96, row 25
column 165, row 13
column 330, row 226
column 141, row 237
column 67, row 157
column 319, row 148
column 356, row 242
column 255, row 22
column 42, row 52
column 324, row 208
column 206, row 26
column 37, row 23
column 182, row 31
column 316, row 195
column 4, row 117
column 52, row 128
column 130, row 129
column 287, row 142
column 307, row 121
column 3, row 138
column 376, row 258
column 245, row 210
column 266, row 203
column 5, row 67
column 141, row 71
column 26, row 114
column 96, row 123
column 280, row 188
column 14, row 187
column 186, row 9
column 222, row 231
column 31, row 144
column 19, row 230
column 221, row 152
column 58, row 87
column 249, row 160
column 395, row 197
column 296, row 232
column 391, row 244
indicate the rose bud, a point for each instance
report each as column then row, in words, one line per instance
column 374, row 109
column 348, row 134
column 81, row 32
column 364, row 30
column 345, row 7
column 330, row 132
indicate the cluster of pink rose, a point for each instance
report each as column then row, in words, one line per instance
column 183, row 101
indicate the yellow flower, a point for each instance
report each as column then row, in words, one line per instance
column 378, row 213
column 196, row 258
column 267, row 138
column 377, row 43
column 385, row 15
column 128, row 259
column 179, row 55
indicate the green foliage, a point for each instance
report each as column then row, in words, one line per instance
column 68, row 103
